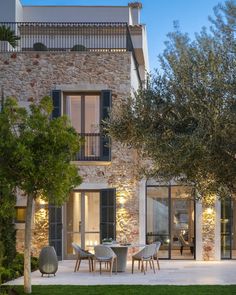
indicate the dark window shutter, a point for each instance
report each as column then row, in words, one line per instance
column 55, row 229
column 56, row 99
column 106, row 104
column 108, row 213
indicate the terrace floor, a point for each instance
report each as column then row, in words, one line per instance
column 171, row 273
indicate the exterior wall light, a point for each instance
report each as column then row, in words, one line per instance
column 122, row 200
column 209, row 211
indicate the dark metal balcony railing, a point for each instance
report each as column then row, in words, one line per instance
column 94, row 148
column 57, row 37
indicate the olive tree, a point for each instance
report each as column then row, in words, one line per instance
column 185, row 119
column 35, row 158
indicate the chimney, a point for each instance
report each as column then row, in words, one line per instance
column 135, row 8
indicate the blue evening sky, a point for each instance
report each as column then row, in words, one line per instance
column 158, row 15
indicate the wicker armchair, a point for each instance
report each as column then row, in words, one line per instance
column 82, row 255
column 146, row 254
column 105, row 254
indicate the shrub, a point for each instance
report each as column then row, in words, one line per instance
column 6, row 274
column 34, row 263
column 39, row 47
column 78, row 47
column 7, row 241
column 16, row 268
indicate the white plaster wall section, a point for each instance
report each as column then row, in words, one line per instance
column 76, row 14
column 145, row 48
column 142, row 211
column 18, row 11
column 21, row 199
column 135, row 15
column 92, row 186
column 134, row 76
column 8, row 11
column 198, row 231
column 218, row 230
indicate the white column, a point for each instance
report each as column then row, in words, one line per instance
column 198, row 237
column 217, row 231
column 142, row 211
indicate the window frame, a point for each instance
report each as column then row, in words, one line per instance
column 82, row 95
column 17, row 220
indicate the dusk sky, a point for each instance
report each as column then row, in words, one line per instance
column 158, row 15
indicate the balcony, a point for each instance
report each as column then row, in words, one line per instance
column 67, row 37
column 96, row 147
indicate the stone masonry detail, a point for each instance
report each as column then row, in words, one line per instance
column 29, row 76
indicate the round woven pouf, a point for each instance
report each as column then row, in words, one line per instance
column 48, row 263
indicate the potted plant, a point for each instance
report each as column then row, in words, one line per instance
column 107, row 241
column 8, row 37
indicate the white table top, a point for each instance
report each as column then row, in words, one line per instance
column 120, row 245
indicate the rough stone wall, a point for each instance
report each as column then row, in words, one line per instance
column 208, row 228
column 40, row 230
column 30, row 76
column 41, row 226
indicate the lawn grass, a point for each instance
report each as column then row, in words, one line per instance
column 130, row 290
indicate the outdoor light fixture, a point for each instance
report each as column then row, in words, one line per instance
column 209, row 211
column 122, row 200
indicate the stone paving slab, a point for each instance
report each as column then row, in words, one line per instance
column 171, row 273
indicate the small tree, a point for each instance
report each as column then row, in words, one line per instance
column 35, row 156
column 185, row 120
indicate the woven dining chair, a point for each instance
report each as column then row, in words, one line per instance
column 155, row 257
column 104, row 254
column 82, row 255
column 146, row 254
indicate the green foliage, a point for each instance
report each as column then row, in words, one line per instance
column 185, row 120
column 8, row 239
column 35, row 157
column 36, row 151
column 16, row 268
column 78, row 47
column 7, row 228
column 6, row 34
column 39, row 47
column 132, row 290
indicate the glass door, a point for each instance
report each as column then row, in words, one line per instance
column 182, row 223
column 158, row 215
column 91, row 219
column 228, row 229
column 82, row 221
column 170, row 220
column 73, row 222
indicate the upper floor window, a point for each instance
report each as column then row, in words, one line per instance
column 86, row 112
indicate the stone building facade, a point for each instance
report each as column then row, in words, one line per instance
column 112, row 202
column 30, row 76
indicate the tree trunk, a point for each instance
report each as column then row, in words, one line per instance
column 27, row 251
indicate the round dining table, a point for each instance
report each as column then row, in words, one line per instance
column 121, row 251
